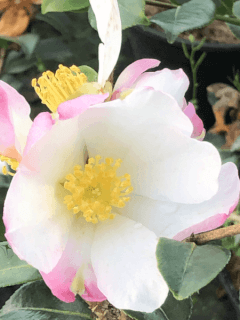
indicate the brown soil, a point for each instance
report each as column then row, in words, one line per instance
column 217, row 32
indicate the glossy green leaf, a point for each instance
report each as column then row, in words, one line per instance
column 132, row 14
column 91, row 74
column 187, row 267
column 63, row 5
column 189, row 16
column 172, row 309
column 236, row 9
column 13, row 270
column 36, row 302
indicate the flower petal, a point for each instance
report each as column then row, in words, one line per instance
column 124, row 261
column 51, row 158
column 37, row 230
column 14, row 122
column 41, row 125
column 151, row 134
column 110, row 32
column 14, row 22
column 131, row 74
column 71, row 108
column 174, row 82
column 55, row 154
column 169, row 219
column 75, row 255
column 190, row 111
column 222, row 204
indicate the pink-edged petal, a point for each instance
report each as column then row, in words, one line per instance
column 151, row 134
column 171, row 219
column 14, row 120
column 41, row 125
column 55, row 154
column 131, row 73
column 173, row 82
column 76, row 254
column 72, row 108
column 37, row 223
column 223, row 203
column 125, row 264
column 198, row 129
column 36, row 219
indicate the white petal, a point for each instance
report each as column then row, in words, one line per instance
column 37, row 223
column 167, row 219
column 110, row 32
column 173, row 82
column 152, row 135
column 124, row 261
column 36, row 218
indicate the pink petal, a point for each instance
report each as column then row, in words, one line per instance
column 14, row 121
column 229, row 189
column 41, row 125
column 76, row 253
column 131, row 73
column 198, row 128
column 173, row 82
column 72, row 108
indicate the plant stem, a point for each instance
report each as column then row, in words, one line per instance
column 161, row 4
column 228, row 19
column 217, row 234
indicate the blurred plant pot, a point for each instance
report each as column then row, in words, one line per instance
column 220, row 63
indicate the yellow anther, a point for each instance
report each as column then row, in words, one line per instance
column 97, row 189
column 10, row 161
column 55, row 89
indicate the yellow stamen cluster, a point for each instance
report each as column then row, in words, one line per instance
column 12, row 162
column 55, row 89
column 96, row 189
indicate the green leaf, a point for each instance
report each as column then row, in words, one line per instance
column 4, row 43
column 13, row 270
column 58, row 20
column 12, row 81
column 63, row 5
column 131, row 14
column 224, row 6
column 57, row 49
column 27, row 42
column 191, row 15
column 19, row 65
column 172, row 309
column 35, row 301
column 236, row 9
column 90, row 73
column 187, row 267
column 234, row 29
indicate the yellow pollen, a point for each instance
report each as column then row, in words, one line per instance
column 96, row 189
column 12, row 162
column 55, row 89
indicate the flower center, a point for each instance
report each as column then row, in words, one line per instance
column 55, row 89
column 96, row 189
column 12, row 162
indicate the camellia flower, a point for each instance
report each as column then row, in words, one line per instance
column 16, row 16
column 101, row 181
